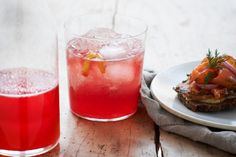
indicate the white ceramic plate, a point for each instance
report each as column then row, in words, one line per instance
column 162, row 90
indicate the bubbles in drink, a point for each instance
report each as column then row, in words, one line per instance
column 22, row 81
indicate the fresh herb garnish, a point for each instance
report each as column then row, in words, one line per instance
column 184, row 81
column 209, row 77
column 216, row 60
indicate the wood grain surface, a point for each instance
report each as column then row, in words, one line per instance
column 131, row 137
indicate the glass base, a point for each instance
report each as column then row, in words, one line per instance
column 105, row 120
column 27, row 153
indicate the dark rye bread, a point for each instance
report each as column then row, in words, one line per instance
column 206, row 107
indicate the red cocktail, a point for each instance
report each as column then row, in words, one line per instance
column 104, row 94
column 104, row 71
column 29, row 106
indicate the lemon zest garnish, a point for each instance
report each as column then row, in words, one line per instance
column 86, row 63
column 85, row 67
column 102, row 67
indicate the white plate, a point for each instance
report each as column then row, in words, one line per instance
column 162, row 90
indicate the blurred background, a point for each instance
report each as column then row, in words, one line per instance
column 176, row 27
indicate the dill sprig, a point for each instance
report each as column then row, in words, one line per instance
column 216, row 60
column 184, row 81
column 209, row 77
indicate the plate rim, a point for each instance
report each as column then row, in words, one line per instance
column 182, row 115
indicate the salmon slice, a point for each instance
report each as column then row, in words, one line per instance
column 223, row 76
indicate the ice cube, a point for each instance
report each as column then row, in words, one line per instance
column 110, row 44
column 120, row 72
column 102, row 33
column 79, row 46
column 133, row 45
column 113, row 52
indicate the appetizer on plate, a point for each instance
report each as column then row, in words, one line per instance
column 211, row 86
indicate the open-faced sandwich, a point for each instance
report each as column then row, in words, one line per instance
column 211, row 86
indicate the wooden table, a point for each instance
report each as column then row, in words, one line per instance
column 179, row 31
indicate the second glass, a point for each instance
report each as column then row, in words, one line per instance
column 29, row 89
column 104, row 58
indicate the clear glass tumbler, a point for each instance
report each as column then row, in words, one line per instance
column 29, row 94
column 104, row 59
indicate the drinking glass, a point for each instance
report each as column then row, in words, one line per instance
column 104, row 59
column 29, row 94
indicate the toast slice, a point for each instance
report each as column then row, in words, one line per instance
column 206, row 107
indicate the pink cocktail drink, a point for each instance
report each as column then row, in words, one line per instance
column 104, row 76
column 29, row 105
